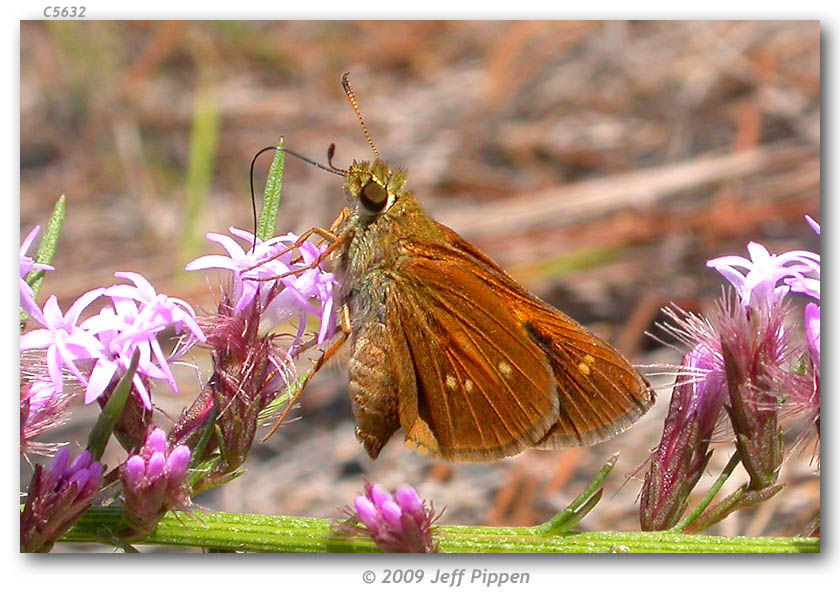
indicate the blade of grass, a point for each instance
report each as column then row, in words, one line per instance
column 202, row 158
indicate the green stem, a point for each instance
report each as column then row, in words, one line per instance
column 698, row 510
column 258, row 533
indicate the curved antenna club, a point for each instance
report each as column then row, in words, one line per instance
column 348, row 91
column 330, row 155
column 329, row 169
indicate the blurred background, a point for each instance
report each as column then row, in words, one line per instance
column 600, row 163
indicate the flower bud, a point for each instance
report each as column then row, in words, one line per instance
column 681, row 457
column 154, row 481
column 57, row 497
column 396, row 524
column 752, row 344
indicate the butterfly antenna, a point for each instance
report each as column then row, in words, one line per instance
column 330, row 155
column 345, row 83
column 330, row 169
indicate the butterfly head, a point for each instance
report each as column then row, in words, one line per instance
column 374, row 185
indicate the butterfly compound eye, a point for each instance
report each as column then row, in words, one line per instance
column 373, row 196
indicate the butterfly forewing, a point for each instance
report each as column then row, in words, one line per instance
column 483, row 389
column 464, row 319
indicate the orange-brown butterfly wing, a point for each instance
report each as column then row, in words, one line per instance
column 461, row 315
column 480, row 389
column 601, row 394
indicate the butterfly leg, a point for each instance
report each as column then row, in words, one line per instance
column 326, row 234
column 301, row 384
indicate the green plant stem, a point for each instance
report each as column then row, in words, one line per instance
column 258, row 533
column 698, row 510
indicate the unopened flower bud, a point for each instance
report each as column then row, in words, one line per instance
column 154, row 481
column 682, row 455
column 57, row 497
column 396, row 524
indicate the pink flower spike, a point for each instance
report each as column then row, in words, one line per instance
column 56, row 498
column 392, row 526
column 154, row 481
column 64, row 340
column 262, row 273
column 157, row 310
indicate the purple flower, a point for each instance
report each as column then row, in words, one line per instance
column 264, row 273
column 42, row 409
column 27, row 294
column 762, row 272
column 249, row 372
column 154, row 481
column 57, row 497
column 399, row 523
column 754, row 347
column 63, row 339
column 683, row 453
column 766, row 281
column 138, row 314
column 103, row 345
column 277, row 280
column 808, row 282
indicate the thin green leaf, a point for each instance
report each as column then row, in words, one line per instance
column 588, row 498
column 267, row 223
column 110, row 414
